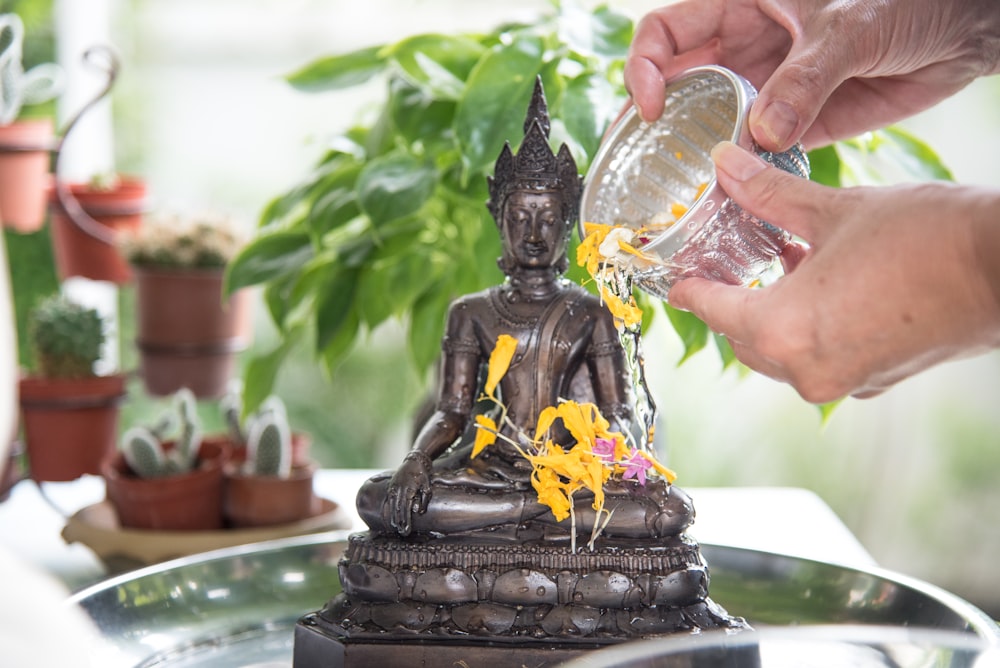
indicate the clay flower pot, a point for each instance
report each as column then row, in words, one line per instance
column 84, row 244
column 187, row 334
column 70, row 425
column 24, row 173
column 184, row 502
column 258, row 501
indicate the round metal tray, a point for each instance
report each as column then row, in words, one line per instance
column 237, row 607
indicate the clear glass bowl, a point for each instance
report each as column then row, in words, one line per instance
column 642, row 169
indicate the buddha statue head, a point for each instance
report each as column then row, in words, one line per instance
column 535, row 196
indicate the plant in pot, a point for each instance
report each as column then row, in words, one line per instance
column 69, row 414
column 25, row 143
column 170, row 484
column 268, row 481
column 391, row 223
column 188, row 333
column 86, row 219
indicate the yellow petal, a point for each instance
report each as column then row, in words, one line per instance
column 545, row 420
column 659, row 468
column 503, row 353
column 486, row 434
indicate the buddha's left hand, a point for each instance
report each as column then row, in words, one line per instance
column 409, row 491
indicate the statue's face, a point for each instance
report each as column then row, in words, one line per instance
column 534, row 232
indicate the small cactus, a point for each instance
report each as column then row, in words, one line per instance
column 17, row 87
column 269, row 448
column 66, row 338
column 144, row 453
column 265, row 434
column 143, row 447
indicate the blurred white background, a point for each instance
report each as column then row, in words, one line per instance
column 201, row 111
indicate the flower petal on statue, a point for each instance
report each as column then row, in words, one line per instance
column 545, row 420
column 668, row 474
column 503, row 353
column 486, row 434
column 578, row 423
column 636, row 467
column 551, row 492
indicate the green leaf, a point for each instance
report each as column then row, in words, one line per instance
column 725, row 350
column 418, row 117
column 341, row 71
column 333, row 306
column 693, row 332
column 588, row 105
column 826, row 410
column 341, row 343
column 262, row 372
column 886, row 157
column 606, row 32
column 336, row 199
column 497, row 93
column 394, row 186
column 267, row 257
column 427, row 323
column 437, row 63
column 824, row 166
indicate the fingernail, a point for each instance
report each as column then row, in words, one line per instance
column 779, row 121
column 736, row 162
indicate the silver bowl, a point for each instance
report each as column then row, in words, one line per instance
column 237, row 607
column 642, row 169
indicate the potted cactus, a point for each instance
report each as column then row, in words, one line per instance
column 188, row 334
column 172, row 484
column 268, row 482
column 69, row 413
column 83, row 236
column 24, row 143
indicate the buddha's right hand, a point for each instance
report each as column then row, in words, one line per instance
column 409, row 491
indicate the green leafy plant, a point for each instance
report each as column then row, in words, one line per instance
column 176, row 242
column 145, row 450
column 66, row 338
column 391, row 222
column 17, row 86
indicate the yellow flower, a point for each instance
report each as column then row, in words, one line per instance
column 628, row 315
column 551, row 492
column 668, row 474
column 486, row 433
column 503, row 353
column 588, row 253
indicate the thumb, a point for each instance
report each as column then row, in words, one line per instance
column 784, row 200
column 791, row 99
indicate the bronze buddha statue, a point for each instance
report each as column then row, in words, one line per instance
column 463, row 562
column 568, row 347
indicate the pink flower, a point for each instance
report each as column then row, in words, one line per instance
column 604, row 448
column 636, row 467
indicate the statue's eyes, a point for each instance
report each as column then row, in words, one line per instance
column 550, row 217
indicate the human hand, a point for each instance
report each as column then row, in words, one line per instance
column 824, row 70
column 894, row 280
column 409, row 491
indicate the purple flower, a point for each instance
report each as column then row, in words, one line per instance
column 604, row 448
column 636, row 467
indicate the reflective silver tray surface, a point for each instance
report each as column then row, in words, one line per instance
column 237, row 607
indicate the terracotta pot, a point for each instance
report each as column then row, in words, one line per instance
column 258, row 501
column 70, row 425
column 185, row 502
column 24, row 173
column 93, row 254
column 187, row 335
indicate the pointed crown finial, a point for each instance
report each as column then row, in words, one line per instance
column 535, row 167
